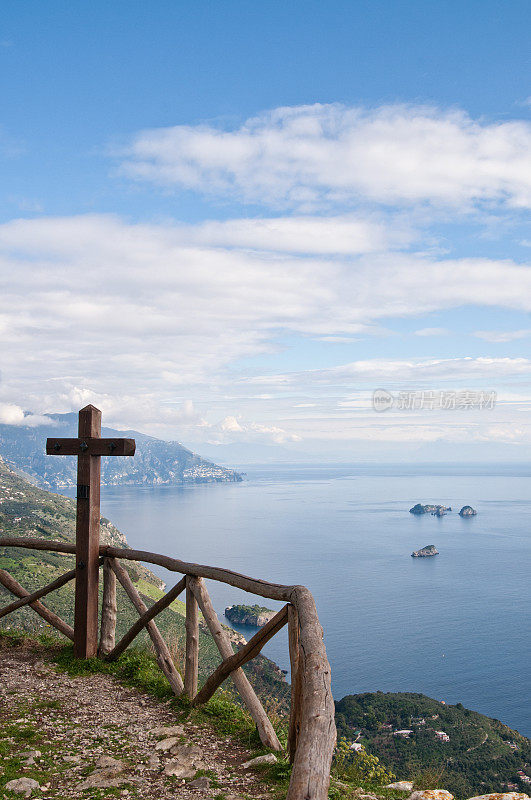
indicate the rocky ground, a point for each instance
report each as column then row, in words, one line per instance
column 90, row 737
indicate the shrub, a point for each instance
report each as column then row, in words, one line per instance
column 358, row 766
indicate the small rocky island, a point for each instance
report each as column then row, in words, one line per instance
column 249, row 615
column 468, row 511
column 425, row 552
column 434, row 510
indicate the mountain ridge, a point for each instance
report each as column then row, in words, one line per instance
column 156, row 463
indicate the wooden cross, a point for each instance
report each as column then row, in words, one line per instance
column 88, row 447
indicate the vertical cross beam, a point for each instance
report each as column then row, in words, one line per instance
column 87, row 538
column 88, row 447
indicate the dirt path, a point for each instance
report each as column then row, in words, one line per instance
column 90, row 737
column 470, row 749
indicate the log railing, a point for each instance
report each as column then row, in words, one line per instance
column 312, row 733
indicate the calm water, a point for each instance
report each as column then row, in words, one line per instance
column 454, row 627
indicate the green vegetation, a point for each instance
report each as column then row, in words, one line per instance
column 359, row 767
column 26, row 510
column 256, row 609
column 246, row 615
column 477, row 759
column 16, row 739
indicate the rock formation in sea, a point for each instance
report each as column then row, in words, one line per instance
column 249, row 615
column 468, row 511
column 425, row 552
column 436, row 510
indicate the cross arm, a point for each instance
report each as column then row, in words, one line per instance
column 90, row 447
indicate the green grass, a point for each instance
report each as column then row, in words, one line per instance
column 16, row 738
column 149, row 590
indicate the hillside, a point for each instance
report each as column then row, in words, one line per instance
column 26, row 510
column 156, row 462
column 482, row 755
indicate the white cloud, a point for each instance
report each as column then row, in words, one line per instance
column 230, row 425
column 341, row 235
column 407, row 373
column 231, row 429
column 11, row 414
column 319, row 155
column 432, row 332
column 139, row 319
column 503, row 336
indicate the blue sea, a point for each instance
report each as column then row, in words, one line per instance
column 455, row 627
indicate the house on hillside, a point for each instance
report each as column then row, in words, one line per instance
column 405, row 734
column 442, row 736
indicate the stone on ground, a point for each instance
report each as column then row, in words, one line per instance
column 177, row 769
column 23, row 786
column 166, row 744
column 502, row 796
column 401, row 786
column 200, row 783
column 108, row 762
column 256, row 762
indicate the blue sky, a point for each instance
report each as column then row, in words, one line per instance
column 229, row 222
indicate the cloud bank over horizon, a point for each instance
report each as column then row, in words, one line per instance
column 379, row 251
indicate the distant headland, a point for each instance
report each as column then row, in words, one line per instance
column 249, row 615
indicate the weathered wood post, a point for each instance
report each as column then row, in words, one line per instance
column 192, row 642
column 108, row 611
column 164, row 658
column 296, row 687
column 88, row 447
column 87, row 537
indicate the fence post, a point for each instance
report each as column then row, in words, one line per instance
column 192, row 642
column 296, row 686
column 108, row 611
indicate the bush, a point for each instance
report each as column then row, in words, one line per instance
column 358, row 766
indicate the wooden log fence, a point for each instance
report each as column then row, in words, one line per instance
column 312, row 734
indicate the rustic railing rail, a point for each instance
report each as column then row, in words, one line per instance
column 312, row 732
